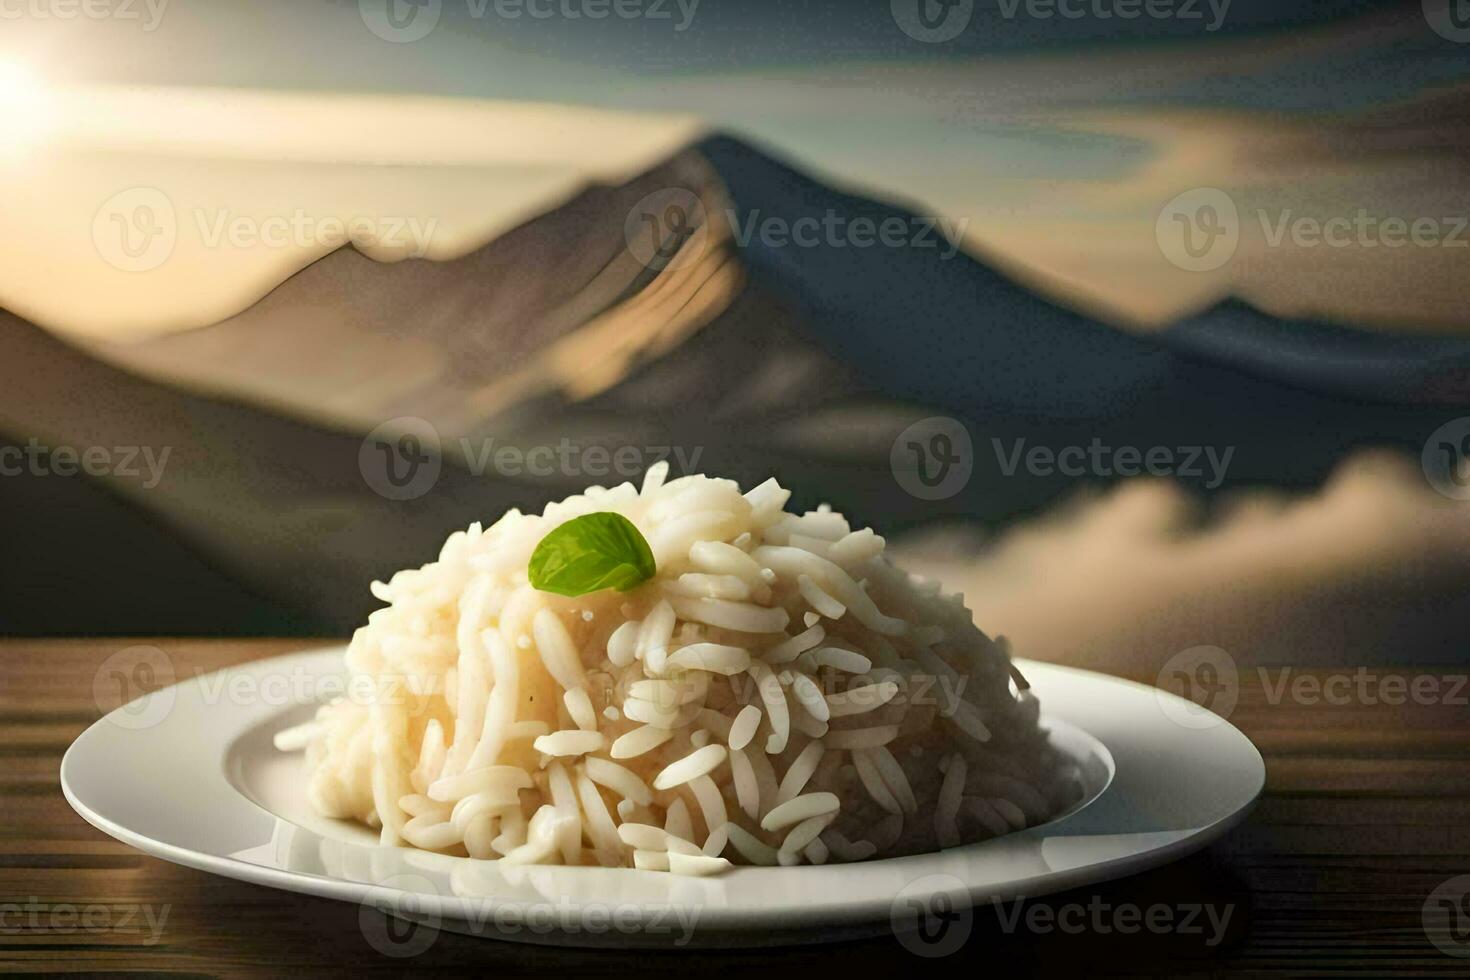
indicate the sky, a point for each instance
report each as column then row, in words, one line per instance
column 559, row 49
column 1056, row 138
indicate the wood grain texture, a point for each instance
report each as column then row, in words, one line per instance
column 1367, row 810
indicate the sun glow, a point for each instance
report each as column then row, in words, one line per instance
column 26, row 111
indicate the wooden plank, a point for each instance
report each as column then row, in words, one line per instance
column 1366, row 811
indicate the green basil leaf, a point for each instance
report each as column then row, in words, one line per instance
column 591, row 553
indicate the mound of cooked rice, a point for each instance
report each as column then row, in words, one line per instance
column 777, row 693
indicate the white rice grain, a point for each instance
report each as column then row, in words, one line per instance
column 747, row 789
column 297, row 737
column 818, row 599
column 793, row 562
column 711, row 807
column 809, row 696
column 654, row 477
column 677, row 821
column 619, row 779
column 856, row 548
column 804, row 833
column 697, row 865
column 744, row 617
column 947, row 810
column 567, row 823
column 743, row 729
column 623, row 643
column 569, row 742
column 579, row 707
column 789, row 649
column 643, row 836
column 712, row 657
column 719, row 558
column 671, row 717
column 799, row 772
column 654, row 636
column 450, row 789
column 430, row 837
column 861, row 698
column 774, row 698
column 640, row 740
column 799, row 808
column 651, row 860
column 700, row 585
column 845, row 849
column 501, row 709
column 697, row 763
column 1010, row 811
column 872, row 781
column 765, row 778
column 895, row 779
column 750, row 847
column 554, row 645
column 837, row 658
column 599, row 823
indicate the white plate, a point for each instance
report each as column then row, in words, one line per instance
column 188, row 774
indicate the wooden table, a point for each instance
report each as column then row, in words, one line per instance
column 1366, row 812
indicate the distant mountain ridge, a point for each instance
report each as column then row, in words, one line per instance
column 801, row 362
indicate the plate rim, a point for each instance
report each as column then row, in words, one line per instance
column 839, row 913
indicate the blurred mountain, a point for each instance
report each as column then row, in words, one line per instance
column 590, row 332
